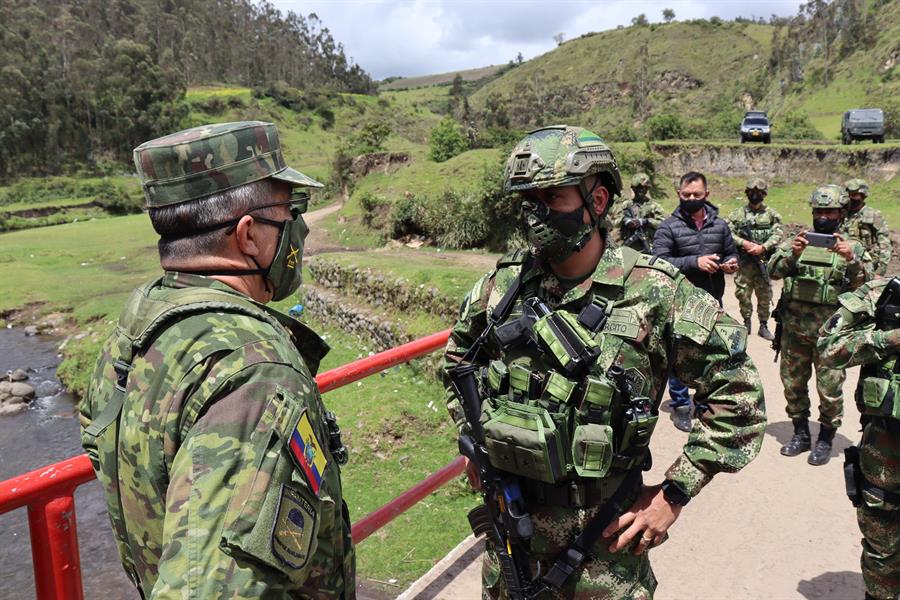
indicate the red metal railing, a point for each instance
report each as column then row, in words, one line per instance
column 48, row 492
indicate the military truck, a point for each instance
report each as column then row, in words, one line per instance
column 863, row 124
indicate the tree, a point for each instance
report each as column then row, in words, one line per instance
column 665, row 127
column 559, row 38
column 668, row 15
column 640, row 20
column 446, row 141
column 371, row 137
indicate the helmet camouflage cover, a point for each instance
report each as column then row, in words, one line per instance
column 757, row 183
column 559, row 156
column 640, row 180
column 829, row 196
column 209, row 159
column 857, row 185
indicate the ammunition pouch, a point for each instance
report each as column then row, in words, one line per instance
column 813, row 290
column 820, row 278
column 524, row 440
column 561, row 336
column 877, row 392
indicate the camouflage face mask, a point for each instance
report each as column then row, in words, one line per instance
column 555, row 235
column 285, row 271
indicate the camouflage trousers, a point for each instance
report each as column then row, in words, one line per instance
column 879, row 522
column 750, row 279
column 605, row 576
column 798, row 355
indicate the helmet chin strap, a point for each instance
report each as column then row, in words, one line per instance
column 587, row 199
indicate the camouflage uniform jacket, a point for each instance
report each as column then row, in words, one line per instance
column 218, row 478
column 869, row 227
column 765, row 225
column 648, row 210
column 657, row 318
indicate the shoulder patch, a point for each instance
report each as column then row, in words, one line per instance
column 733, row 336
column 855, row 304
column 294, row 529
column 652, row 262
column 698, row 317
column 307, row 452
column 516, row 257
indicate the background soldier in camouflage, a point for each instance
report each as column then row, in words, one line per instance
column 757, row 231
column 867, row 225
column 851, row 338
column 638, row 220
column 813, row 280
column 649, row 303
column 202, row 419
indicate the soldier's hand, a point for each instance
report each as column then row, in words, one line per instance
column 799, row 244
column 648, row 520
column 842, row 247
column 633, row 223
column 472, row 475
column 708, row 263
column 756, row 249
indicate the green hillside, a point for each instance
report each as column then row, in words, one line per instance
column 405, row 83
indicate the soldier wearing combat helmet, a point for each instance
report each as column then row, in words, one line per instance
column 867, row 225
column 565, row 342
column 638, row 220
column 757, row 231
column 814, row 276
column 220, row 465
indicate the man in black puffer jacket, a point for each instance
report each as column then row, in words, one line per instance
column 699, row 244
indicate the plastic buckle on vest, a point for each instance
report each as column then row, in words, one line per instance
column 122, row 370
column 577, row 495
column 564, row 567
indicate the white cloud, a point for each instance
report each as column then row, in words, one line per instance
column 420, row 37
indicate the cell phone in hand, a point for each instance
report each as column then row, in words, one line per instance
column 820, row 240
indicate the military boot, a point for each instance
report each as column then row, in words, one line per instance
column 764, row 332
column 681, row 416
column 747, row 325
column 821, row 454
column 800, row 442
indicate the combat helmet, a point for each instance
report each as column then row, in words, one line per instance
column 757, row 183
column 558, row 156
column 857, row 185
column 829, row 196
column 640, row 180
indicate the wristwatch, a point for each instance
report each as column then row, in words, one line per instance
column 674, row 493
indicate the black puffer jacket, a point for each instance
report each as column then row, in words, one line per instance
column 680, row 242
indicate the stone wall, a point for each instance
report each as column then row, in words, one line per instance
column 379, row 289
column 334, row 310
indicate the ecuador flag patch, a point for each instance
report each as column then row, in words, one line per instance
column 308, row 452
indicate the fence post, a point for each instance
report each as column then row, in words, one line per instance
column 54, row 548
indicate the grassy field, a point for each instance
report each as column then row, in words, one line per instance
column 404, row 83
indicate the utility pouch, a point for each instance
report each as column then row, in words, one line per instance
column 879, row 397
column 571, row 345
column 598, row 396
column 592, row 450
column 852, row 475
column 805, row 289
column 559, row 389
column 523, row 440
column 639, row 425
column 497, row 377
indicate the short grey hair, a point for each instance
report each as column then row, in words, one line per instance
column 174, row 223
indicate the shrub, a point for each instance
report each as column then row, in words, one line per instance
column 407, row 217
column 796, row 126
column 117, row 200
column 665, row 127
column 446, row 141
column 371, row 137
column 375, row 210
column 456, row 220
column 623, row 132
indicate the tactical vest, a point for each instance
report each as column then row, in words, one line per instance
column 759, row 224
column 819, row 278
column 139, row 325
column 549, row 418
column 861, row 226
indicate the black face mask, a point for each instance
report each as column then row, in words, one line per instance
column 755, row 198
column 692, row 206
column 856, row 206
column 825, row 225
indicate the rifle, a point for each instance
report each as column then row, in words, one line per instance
column 633, row 214
column 501, row 516
column 779, row 328
column 759, row 260
column 887, row 307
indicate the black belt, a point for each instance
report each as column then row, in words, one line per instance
column 570, row 494
column 880, row 493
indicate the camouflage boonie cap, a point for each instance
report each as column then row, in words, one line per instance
column 757, row 183
column 205, row 160
column 640, row 180
column 857, row 185
column 829, row 196
column 559, row 156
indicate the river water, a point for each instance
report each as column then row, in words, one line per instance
column 47, row 433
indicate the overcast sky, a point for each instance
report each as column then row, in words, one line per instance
column 421, row 37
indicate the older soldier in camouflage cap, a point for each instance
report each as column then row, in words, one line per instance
column 638, row 220
column 628, row 309
column 220, row 464
column 867, row 225
column 866, row 331
column 814, row 277
column 757, row 231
